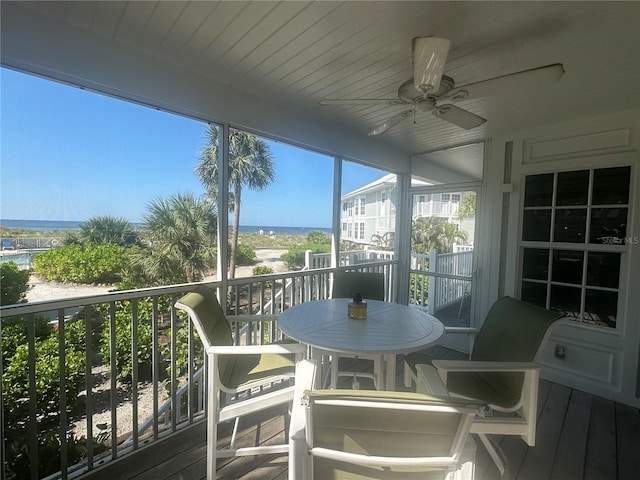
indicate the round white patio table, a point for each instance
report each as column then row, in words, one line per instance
column 389, row 329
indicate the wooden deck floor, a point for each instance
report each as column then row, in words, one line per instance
column 580, row 436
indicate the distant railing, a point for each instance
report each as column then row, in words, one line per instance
column 438, row 280
column 435, row 208
column 139, row 332
column 29, row 243
column 346, row 258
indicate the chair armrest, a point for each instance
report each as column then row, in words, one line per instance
column 477, row 366
column 281, row 348
column 378, row 461
column 461, row 330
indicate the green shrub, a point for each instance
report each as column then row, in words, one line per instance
column 294, row 258
column 87, row 263
column 15, row 379
column 262, row 270
column 14, row 334
column 319, row 237
column 245, row 255
column 123, row 338
column 13, row 284
column 418, row 289
column 19, row 457
column 182, row 348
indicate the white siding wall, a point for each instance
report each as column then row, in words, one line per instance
column 598, row 360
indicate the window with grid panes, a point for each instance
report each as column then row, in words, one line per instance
column 574, row 236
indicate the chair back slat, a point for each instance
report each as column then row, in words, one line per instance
column 388, row 425
column 369, row 284
column 213, row 328
column 513, row 331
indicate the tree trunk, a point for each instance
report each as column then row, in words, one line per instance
column 234, row 231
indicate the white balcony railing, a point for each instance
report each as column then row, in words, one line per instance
column 140, row 376
column 123, row 369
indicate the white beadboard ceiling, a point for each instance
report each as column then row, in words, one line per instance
column 294, row 54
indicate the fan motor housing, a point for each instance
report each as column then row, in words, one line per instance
column 410, row 94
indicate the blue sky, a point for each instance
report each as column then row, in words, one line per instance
column 69, row 154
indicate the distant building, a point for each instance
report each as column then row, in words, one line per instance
column 370, row 211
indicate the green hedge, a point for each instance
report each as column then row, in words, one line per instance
column 87, row 263
column 15, row 377
column 124, row 316
column 14, row 284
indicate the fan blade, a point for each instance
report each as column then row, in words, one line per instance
column 521, row 81
column 362, row 101
column 458, row 116
column 429, row 56
column 396, row 119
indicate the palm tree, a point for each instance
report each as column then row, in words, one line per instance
column 451, row 234
column 434, row 232
column 383, row 241
column 250, row 165
column 105, row 229
column 180, row 231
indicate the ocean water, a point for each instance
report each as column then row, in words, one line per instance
column 42, row 225
column 51, row 225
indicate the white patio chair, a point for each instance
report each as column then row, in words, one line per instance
column 501, row 371
column 239, row 371
column 368, row 434
column 371, row 286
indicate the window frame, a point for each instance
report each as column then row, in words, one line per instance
column 585, row 247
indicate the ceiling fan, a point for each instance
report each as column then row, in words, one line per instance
column 428, row 87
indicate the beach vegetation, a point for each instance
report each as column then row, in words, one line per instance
column 180, row 232
column 262, row 270
column 14, row 284
column 277, row 242
column 245, row 255
column 317, row 242
column 104, row 229
column 82, row 263
column 16, row 391
column 250, row 166
column 123, row 334
column 418, row 288
column 318, row 237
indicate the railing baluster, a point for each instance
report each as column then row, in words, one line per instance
column 3, row 453
column 89, row 387
column 113, row 397
column 62, row 362
column 134, row 370
column 155, row 360
column 262, row 286
column 33, row 423
column 174, row 378
column 190, row 365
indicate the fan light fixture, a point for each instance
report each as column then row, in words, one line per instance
column 429, row 57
